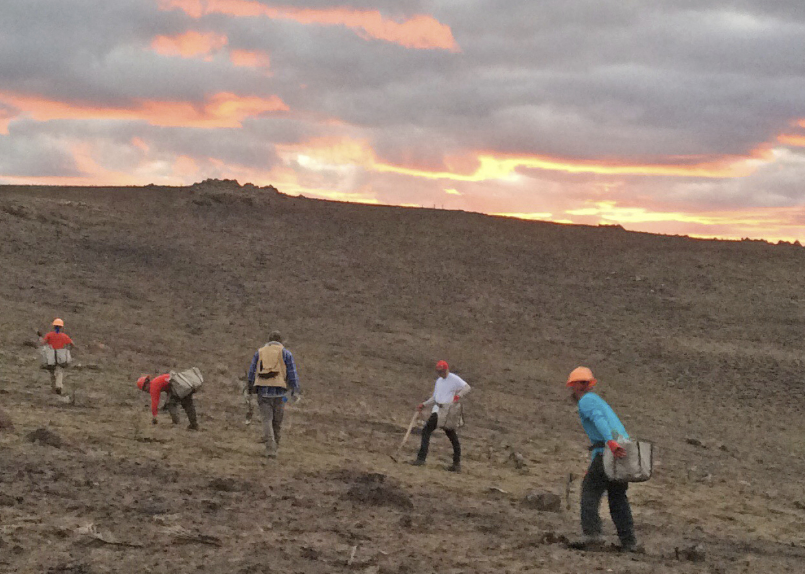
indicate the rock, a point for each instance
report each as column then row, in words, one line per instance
column 45, row 437
column 225, row 484
column 695, row 553
column 5, row 421
column 695, row 442
column 519, row 461
column 543, row 501
column 376, row 490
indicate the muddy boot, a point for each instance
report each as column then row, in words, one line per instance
column 192, row 426
column 418, row 462
column 455, row 467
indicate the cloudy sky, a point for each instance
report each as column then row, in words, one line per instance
column 671, row 116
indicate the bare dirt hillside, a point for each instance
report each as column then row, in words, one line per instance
column 698, row 345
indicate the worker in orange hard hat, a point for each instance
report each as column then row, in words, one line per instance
column 603, row 427
column 56, row 356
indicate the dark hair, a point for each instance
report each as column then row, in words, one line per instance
column 275, row 336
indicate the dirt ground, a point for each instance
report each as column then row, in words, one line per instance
column 697, row 344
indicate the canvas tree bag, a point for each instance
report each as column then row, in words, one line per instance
column 186, row 382
column 637, row 466
column 451, row 416
column 63, row 357
column 47, row 354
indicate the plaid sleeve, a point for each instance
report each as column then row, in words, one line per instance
column 253, row 369
column 290, row 371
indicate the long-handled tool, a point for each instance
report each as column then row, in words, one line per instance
column 405, row 438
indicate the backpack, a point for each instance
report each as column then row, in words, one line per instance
column 186, row 382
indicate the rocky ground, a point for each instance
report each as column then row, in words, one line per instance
column 697, row 344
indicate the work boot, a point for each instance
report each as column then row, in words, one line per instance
column 192, row 426
column 418, row 462
column 455, row 467
column 631, row 547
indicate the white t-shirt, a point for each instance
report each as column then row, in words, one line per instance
column 446, row 388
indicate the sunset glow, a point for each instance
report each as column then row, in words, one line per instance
column 531, row 110
column 223, row 110
column 420, row 31
column 189, row 45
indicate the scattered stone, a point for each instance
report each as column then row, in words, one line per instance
column 310, row 553
column 6, row 500
column 695, row 553
column 376, row 490
column 518, row 460
column 226, row 484
column 552, row 537
column 45, row 437
column 695, row 442
column 543, row 501
column 5, row 421
column 799, row 504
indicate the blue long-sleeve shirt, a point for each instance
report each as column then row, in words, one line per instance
column 599, row 421
column 291, row 377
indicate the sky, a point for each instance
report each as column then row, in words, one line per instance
column 671, row 116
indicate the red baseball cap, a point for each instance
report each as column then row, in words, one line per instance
column 442, row 365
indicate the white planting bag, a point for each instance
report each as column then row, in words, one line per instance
column 635, row 467
column 63, row 357
column 186, row 382
column 47, row 355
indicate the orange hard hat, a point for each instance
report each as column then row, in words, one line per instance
column 581, row 374
column 58, row 322
column 142, row 380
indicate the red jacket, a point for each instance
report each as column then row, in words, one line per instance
column 160, row 384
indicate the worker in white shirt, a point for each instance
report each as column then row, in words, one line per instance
column 449, row 389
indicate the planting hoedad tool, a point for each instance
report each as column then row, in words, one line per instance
column 405, row 438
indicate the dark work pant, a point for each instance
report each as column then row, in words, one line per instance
column 428, row 429
column 172, row 406
column 592, row 489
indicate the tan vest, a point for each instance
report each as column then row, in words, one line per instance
column 271, row 370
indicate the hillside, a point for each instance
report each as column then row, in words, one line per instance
column 697, row 344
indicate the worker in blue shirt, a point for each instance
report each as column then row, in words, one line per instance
column 604, row 428
column 271, row 375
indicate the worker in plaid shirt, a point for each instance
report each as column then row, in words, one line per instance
column 271, row 375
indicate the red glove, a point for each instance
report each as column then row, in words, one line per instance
column 456, row 398
column 420, row 406
column 616, row 449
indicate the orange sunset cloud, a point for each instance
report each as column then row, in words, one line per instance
column 247, row 59
column 419, row 32
column 333, row 151
column 222, row 110
column 189, row 45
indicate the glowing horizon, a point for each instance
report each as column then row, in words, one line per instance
column 427, row 104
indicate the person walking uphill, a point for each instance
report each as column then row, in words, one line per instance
column 271, row 374
column 602, row 426
column 449, row 389
column 59, row 342
column 162, row 384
